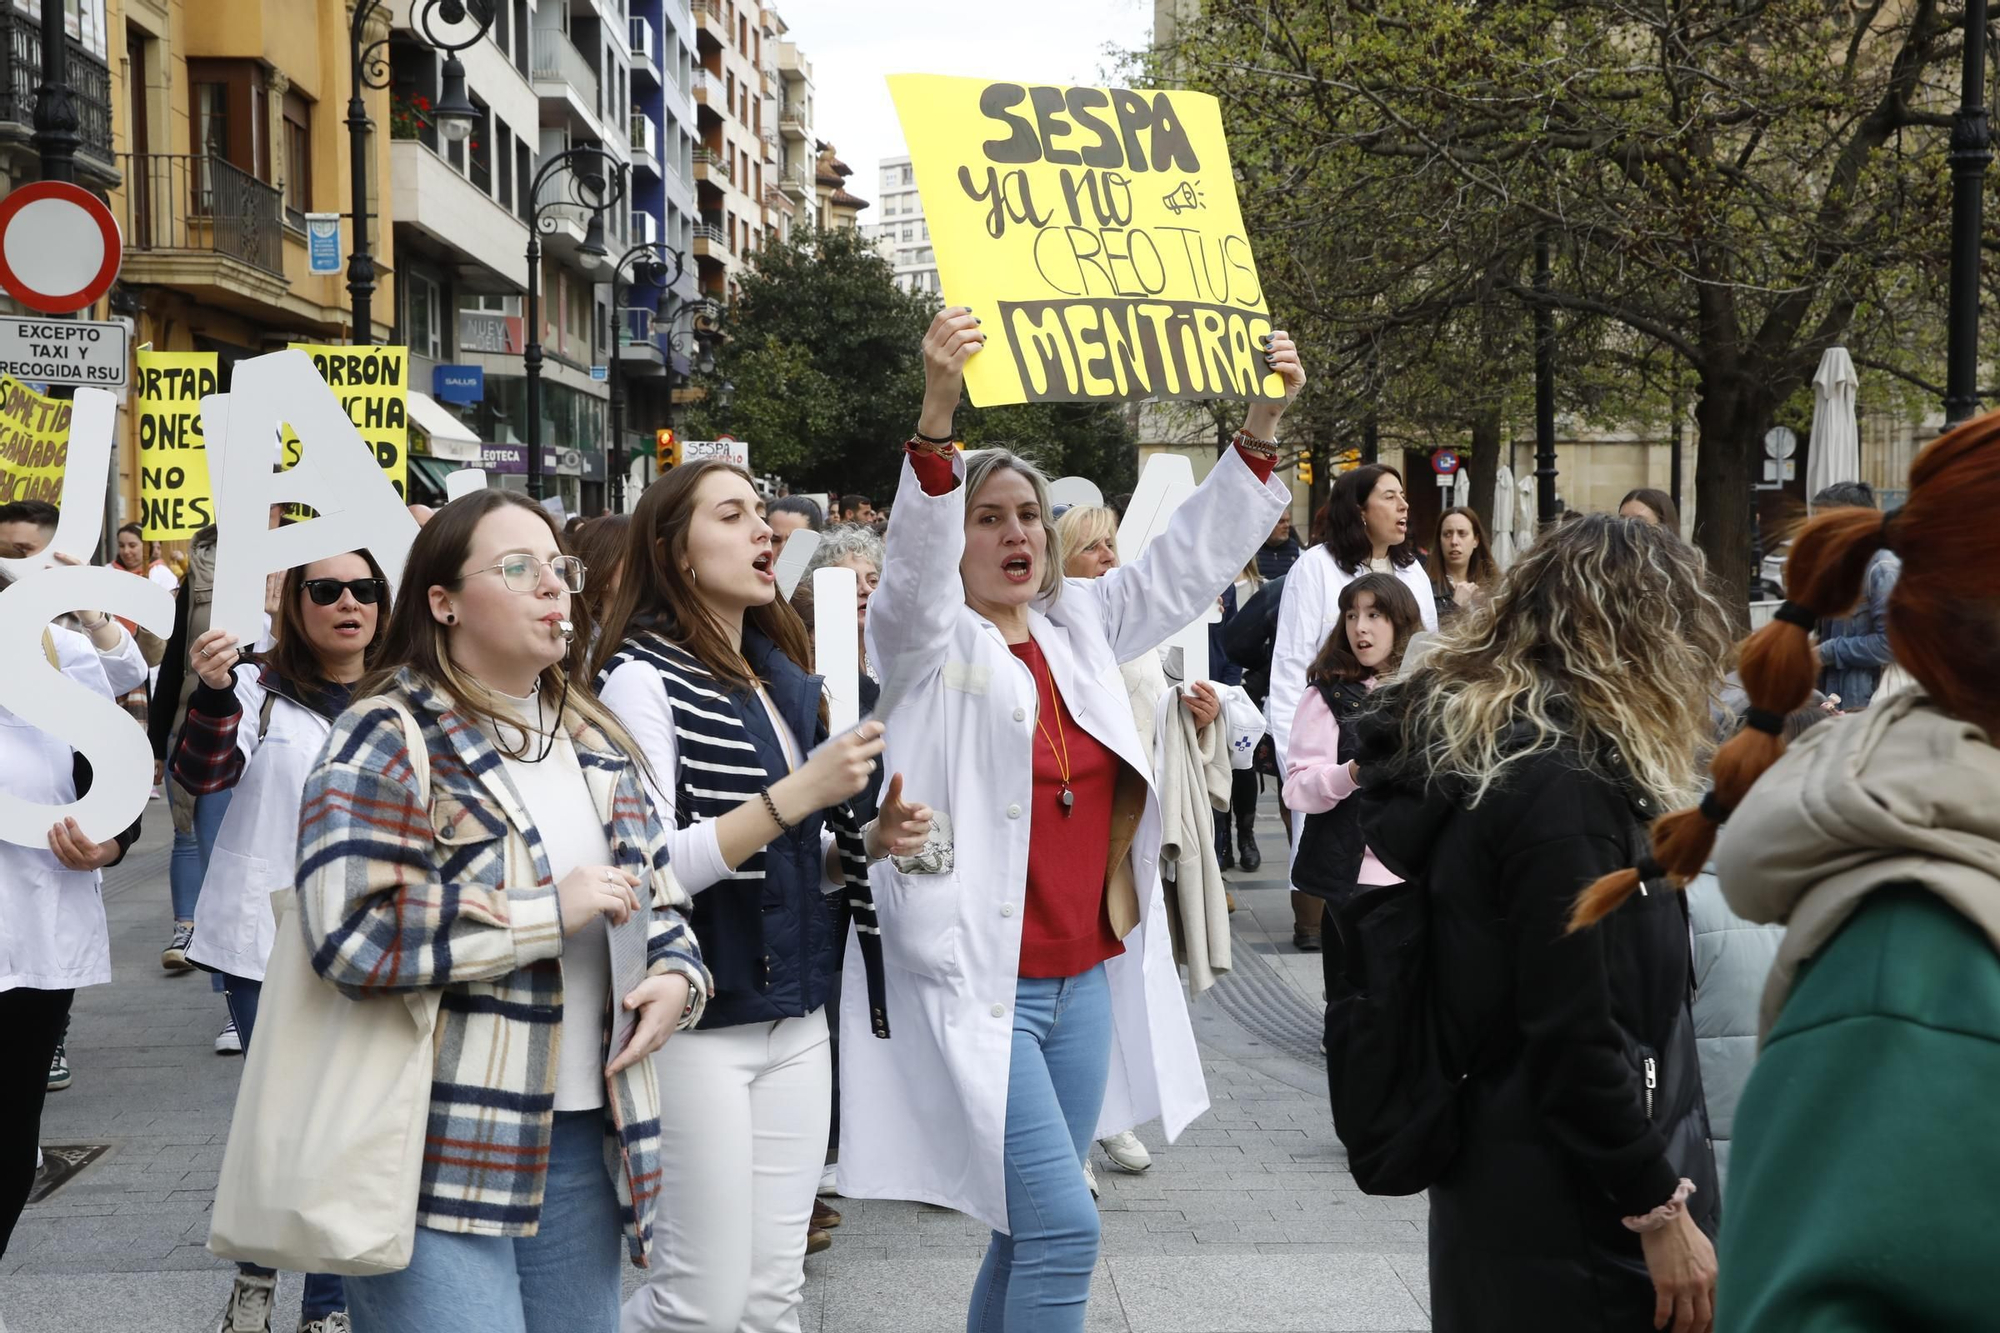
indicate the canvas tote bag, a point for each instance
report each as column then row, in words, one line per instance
column 326, row 1147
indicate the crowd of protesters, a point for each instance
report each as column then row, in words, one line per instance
column 1610, row 913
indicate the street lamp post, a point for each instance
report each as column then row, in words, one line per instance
column 696, row 340
column 58, row 128
column 654, row 273
column 596, row 184
column 1971, row 150
column 1545, row 386
column 368, row 67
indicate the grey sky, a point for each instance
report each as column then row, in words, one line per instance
column 854, row 44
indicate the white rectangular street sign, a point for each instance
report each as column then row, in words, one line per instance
column 65, row 351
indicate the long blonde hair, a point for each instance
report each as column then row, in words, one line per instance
column 1605, row 627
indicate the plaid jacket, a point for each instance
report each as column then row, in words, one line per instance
column 394, row 896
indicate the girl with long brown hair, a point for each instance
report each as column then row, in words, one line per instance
column 1460, row 561
column 707, row 667
column 523, row 883
column 1875, row 839
column 255, row 735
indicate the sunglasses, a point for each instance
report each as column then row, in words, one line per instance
column 325, row 592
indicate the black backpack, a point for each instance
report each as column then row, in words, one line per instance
column 1394, row 1087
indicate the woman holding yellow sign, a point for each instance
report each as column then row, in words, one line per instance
column 1027, row 942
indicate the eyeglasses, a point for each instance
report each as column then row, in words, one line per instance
column 523, row 573
column 325, row 592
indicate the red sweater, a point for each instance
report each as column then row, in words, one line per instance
column 1067, row 926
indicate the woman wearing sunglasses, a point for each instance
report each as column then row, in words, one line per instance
column 258, row 731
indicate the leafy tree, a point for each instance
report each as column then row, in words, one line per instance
column 825, row 352
column 1729, row 187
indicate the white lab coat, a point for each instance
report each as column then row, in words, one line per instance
column 1309, row 611
column 923, row 1113
column 53, row 934
column 257, row 848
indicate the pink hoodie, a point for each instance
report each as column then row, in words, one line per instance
column 1316, row 780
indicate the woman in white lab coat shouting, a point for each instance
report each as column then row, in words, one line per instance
column 1031, row 983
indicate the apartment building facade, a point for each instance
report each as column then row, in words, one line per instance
column 900, row 233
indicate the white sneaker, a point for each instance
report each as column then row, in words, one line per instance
column 1126, row 1152
column 826, row 1181
column 1090, row 1177
column 229, row 1041
column 337, row 1322
column 249, row 1308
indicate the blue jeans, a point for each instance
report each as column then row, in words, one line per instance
column 562, row 1279
column 324, row 1292
column 188, row 863
column 1038, row 1279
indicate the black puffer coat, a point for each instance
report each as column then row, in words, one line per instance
column 1585, row 1104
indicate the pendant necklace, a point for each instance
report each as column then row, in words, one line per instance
column 1061, row 756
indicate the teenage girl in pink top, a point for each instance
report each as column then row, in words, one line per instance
column 1377, row 617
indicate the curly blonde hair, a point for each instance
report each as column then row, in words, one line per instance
column 1604, row 627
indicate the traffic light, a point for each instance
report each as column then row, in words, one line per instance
column 1305, row 472
column 666, row 448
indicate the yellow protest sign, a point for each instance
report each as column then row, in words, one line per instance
column 372, row 383
column 34, row 443
column 175, row 501
column 1096, row 233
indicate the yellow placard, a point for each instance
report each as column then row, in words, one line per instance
column 175, row 500
column 372, row 384
column 1095, row 232
column 34, row 443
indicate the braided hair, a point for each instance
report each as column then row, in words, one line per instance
column 1942, row 628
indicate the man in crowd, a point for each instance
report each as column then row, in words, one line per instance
column 1280, row 550
column 787, row 514
column 28, row 525
column 856, row 509
column 1854, row 648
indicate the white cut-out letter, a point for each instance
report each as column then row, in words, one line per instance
column 1164, row 486
column 836, row 642
column 86, row 720
column 336, row 475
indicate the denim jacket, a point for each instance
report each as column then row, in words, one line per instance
column 1854, row 648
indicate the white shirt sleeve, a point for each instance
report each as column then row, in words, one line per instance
column 1301, row 629
column 637, row 696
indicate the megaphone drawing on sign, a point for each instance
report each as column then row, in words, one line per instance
column 1183, row 199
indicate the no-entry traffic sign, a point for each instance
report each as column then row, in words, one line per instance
column 59, row 247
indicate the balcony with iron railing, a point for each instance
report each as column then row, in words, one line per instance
column 711, row 242
column 90, row 85
column 792, row 121
column 181, row 206
column 645, row 142
column 713, row 168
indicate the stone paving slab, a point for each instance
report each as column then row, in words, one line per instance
column 1249, row 1224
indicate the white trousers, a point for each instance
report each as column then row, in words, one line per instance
column 743, row 1124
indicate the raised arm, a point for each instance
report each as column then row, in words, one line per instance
column 1210, row 538
column 920, row 598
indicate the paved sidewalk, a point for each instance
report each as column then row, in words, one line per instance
column 1249, row 1224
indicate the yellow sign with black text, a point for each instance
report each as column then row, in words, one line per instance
column 174, row 497
column 1096, row 234
column 34, row 443
column 372, row 384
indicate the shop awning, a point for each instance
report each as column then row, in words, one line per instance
column 427, row 478
column 449, row 437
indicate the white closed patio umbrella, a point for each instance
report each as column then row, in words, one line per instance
column 1503, row 517
column 1834, row 452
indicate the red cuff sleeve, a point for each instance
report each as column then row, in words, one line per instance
column 934, row 471
column 1260, row 466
